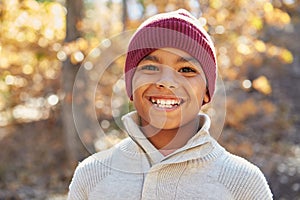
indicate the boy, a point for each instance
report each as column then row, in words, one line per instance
column 170, row 72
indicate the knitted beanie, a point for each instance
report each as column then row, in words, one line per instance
column 177, row 29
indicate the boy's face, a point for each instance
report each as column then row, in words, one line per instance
column 169, row 88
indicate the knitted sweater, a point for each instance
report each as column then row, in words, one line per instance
column 134, row 169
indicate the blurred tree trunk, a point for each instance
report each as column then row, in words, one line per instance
column 74, row 146
column 124, row 14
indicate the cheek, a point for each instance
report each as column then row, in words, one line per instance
column 141, row 80
column 197, row 90
column 138, row 96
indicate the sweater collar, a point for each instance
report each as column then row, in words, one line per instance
column 201, row 141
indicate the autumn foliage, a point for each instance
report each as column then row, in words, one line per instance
column 258, row 60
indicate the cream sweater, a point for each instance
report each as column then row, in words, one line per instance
column 134, row 169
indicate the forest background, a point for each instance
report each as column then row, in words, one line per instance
column 44, row 44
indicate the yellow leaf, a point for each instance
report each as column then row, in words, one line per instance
column 257, row 23
column 268, row 7
column 262, row 85
column 260, row 46
column 216, row 4
column 286, row 56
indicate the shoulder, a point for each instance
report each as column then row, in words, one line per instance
column 88, row 173
column 96, row 167
column 99, row 162
column 92, row 170
column 243, row 179
column 93, row 163
column 235, row 163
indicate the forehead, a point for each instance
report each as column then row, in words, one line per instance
column 170, row 55
column 173, row 51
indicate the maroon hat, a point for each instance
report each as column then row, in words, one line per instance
column 177, row 29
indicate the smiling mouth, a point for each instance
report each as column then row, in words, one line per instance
column 166, row 103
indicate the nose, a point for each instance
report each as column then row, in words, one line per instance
column 167, row 79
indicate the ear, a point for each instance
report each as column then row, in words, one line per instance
column 206, row 98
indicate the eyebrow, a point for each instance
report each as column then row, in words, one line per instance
column 179, row 60
column 188, row 59
column 151, row 58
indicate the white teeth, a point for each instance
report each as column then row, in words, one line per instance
column 165, row 103
column 164, row 106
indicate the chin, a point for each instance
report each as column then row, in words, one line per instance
column 165, row 126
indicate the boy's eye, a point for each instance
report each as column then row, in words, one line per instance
column 187, row 70
column 150, row 67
